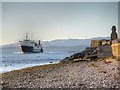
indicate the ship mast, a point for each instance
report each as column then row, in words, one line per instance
column 26, row 35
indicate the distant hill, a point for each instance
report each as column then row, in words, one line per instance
column 71, row 42
column 99, row 38
column 63, row 42
column 10, row 45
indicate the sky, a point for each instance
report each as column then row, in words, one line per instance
column 0, row 23
column 57, row 20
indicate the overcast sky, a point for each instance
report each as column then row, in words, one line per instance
column 50, row 20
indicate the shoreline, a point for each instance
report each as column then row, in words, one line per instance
column 29, row 67
column 43, row 66
column 81, row 74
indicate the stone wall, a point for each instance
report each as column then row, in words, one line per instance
column 104, row 51
column 105, row 42
column 94, row 43
column 106, row 48
column 116, row 50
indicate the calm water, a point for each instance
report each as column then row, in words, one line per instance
column 13, row 58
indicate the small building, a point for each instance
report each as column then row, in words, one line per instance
column 105, row 42
column 103, row 46
column 107, row 48
column 96, row 43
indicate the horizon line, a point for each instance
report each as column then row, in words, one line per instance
column 60, row 39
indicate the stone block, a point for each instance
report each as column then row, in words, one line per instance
column 116, row 50
column 105, row 49
column 94, row 43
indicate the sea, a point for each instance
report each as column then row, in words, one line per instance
column 12, row 58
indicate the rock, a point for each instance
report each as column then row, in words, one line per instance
column 88, row 53
column 66, row 59
column 81, row 55
column 90, row 49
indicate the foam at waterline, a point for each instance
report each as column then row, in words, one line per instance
column 4, row 69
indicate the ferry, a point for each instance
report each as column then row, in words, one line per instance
column 31, row 46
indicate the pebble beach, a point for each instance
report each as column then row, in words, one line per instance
column 80, row 74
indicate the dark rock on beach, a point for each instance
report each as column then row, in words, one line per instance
column 86, row 54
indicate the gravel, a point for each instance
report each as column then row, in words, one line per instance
column 82, row 74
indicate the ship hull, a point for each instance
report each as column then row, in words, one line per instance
column 28, row 49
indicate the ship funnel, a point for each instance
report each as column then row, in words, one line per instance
column 39, row 42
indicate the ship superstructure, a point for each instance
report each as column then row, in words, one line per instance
column 28, row 45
